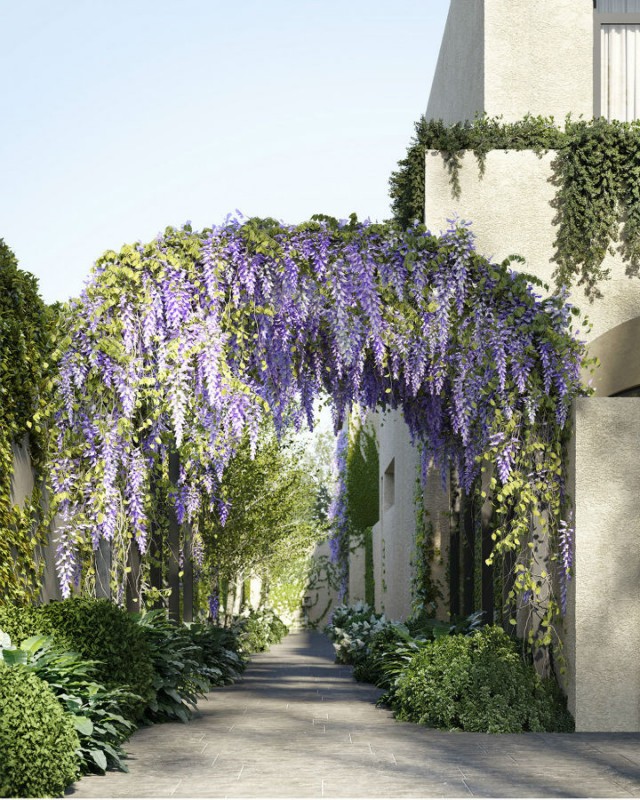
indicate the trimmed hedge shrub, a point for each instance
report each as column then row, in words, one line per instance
column 99, row 631
column 478, row 683
column 102, row 631
column 38, row 741
column 178, row 675
column 19, row 622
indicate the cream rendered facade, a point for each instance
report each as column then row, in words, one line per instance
column 510, row 58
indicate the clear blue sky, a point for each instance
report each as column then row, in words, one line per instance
column 120, row 117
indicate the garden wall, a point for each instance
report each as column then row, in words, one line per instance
column 486, row 65
column 394, row 534
column 511, row 210
column 603, row 624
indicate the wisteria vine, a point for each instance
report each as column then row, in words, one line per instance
column 338, row 515
column 185, row 342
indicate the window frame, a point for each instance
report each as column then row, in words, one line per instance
column 617, row 18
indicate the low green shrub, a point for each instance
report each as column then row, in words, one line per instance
column 96, row 711
column 99, row 631
column 19, row 622
column 38, row 742
column 103, row 632
column 390, row 652
column 178, row 674
column 221, row 652
column 352, row 629
column 477, row 683
column 258, row 629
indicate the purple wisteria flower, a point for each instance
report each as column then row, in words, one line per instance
column 186, row 342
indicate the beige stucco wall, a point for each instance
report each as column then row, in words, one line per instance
column 322, row 597
column 538, row 58
column 356, row 573
column 603, row 648
column 437, row 503
column 510, row 58
column 511, row 211
column 514, row 57
column 394, row 535
column 619, row 355
column 22, row 485
column 22, row 479
column 510, row 208
column 378, row 567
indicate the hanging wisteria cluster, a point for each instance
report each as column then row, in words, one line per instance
column 338, row 515
column 185, row 342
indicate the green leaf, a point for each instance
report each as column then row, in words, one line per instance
column 83, row 725
column 13, row 657
column 99, row 759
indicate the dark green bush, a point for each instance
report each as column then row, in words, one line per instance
column 179, row 678
column 19, row 622
column 391, row 651
column 38, row 742
column 220, row 649
column 99, row 631
column 478, row 683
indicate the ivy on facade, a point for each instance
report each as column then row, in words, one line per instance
column 596, row 170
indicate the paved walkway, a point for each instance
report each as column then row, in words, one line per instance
column 299, row 726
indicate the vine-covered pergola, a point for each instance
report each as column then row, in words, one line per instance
column 177, row 347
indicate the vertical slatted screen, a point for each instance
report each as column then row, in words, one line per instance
column 620, row 70
column 618, row 6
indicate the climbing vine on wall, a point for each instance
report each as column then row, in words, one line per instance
column 26, row 331
column 427, row 591
column 363, row 494
column 186, row 342
column 596, row 171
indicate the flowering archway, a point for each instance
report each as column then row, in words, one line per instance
column 182, row 344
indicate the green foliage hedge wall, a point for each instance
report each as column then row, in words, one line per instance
column 26, row 368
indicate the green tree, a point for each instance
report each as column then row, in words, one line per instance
column 272, row 521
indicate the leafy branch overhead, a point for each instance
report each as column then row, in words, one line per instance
column 596, row 171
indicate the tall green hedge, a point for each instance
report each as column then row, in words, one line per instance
column 26, row 366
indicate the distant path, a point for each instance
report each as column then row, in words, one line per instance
column 298, row 725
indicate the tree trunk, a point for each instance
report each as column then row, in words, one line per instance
column 173, row 567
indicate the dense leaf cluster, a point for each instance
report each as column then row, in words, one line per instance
column 99, row 631
column 459, row 677
column 38, row 741
column 258, row 629
column 478, row 683
column 93, row 698
column 596, row 171
column 26, row 344
column 97, row 712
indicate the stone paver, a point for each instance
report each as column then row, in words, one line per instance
column 298, row 725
